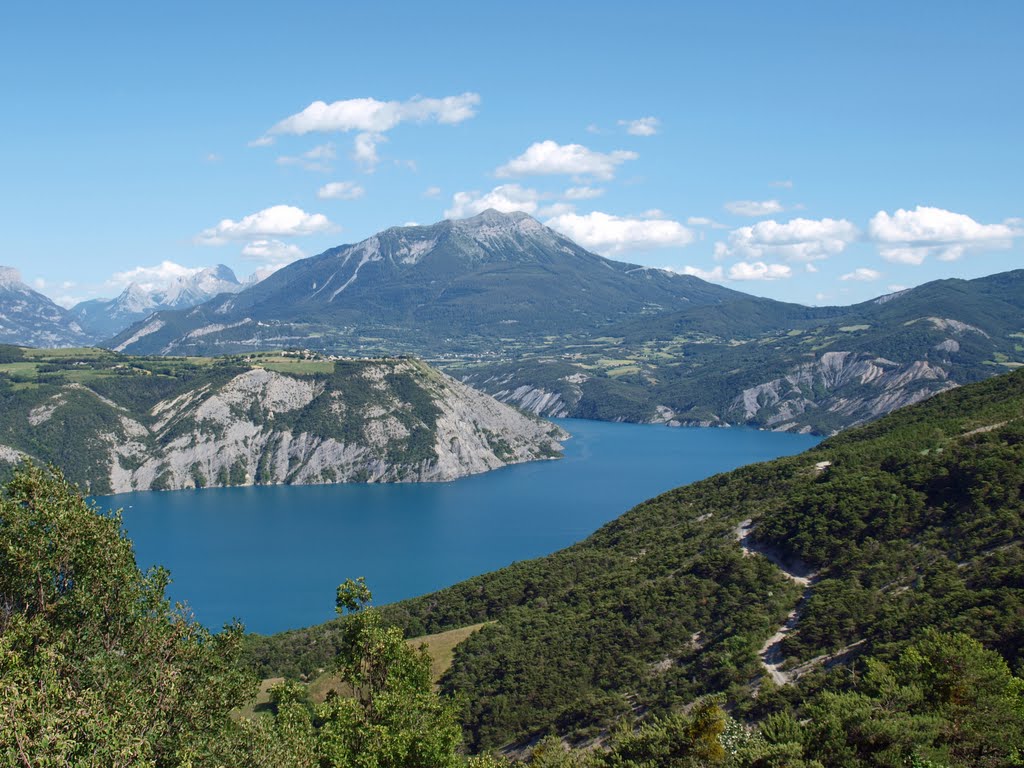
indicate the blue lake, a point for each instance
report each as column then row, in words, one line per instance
column 273, row 556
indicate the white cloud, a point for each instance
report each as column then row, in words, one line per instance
column 556, row 209
column 582, row 193
column 272, row 252
column 505, row 198
column 276, row 221
column 364, row 149
column 796, row 240
column 605, row 233
column 340, row 190
column 909, row 237
column 863, row 274
column 754, row 207
column 212, row 157
column 432, row 192
column 781, row 183
column 550, row 158
column 758, row 270
column 593, row 128
column 809, row 267
column 644, row 126
column 373, row 116
column 317, row 159
column 715, row 275
column 704, row 221
column 152, row 277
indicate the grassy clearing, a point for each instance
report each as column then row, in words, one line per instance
column 291, row 365
column 260, row 703
column 441, row 648
column 69, row 353
column 623, row 370
column 22, row 368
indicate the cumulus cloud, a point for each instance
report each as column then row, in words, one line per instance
column 862, row 274
column 556, row 209
column 759, row 270
column 373, row 116
column 364, row 149
column 505, row 198
column 605, row 233
column 796, row 240
column 643, row 126
column 370, row 119
column 152, row 277
column 754, row 207
column 276, row 221
column 909, row 237
column 545, row 158
column 432, row 192
column 272, row 252
column 340, row 190
column 582, row 193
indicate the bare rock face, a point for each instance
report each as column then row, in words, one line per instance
column 387, row 421
column 853, row 386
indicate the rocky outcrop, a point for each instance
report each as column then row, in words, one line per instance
column 837, row 388
column 382, row 421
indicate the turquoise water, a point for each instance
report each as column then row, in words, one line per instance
column 273, row 556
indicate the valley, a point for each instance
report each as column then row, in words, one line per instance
column 868, row 539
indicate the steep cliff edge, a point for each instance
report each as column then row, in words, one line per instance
column 381, row 420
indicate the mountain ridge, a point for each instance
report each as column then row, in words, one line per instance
column 116, row 424
column 489, row 276
column 102, row 318
column 28, row 317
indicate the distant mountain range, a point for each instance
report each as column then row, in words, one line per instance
column 521, row 312
column 103, row 318
column 773, row 365
column 466, row 285
column 28, row 317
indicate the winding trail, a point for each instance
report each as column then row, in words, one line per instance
column 797, row 571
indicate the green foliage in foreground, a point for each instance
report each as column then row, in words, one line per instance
column 915, row 525
column 96, row 667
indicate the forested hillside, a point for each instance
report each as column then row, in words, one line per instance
column 901, row 529
column 116, row 423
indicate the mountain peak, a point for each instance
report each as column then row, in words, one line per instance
column 221, row 272
column 492, row 218
column 9, row 276
column 492, row 215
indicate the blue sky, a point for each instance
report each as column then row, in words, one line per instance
column 812, row 152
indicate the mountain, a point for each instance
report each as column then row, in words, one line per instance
column 774, row 365
column 29, row 318
column 521, row 312
column 114, row 423
column 103, row 318
column 455, row 285
column 772, row 587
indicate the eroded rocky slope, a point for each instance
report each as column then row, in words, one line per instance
column 394, row 420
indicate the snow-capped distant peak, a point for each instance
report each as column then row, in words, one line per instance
column 9, row 277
